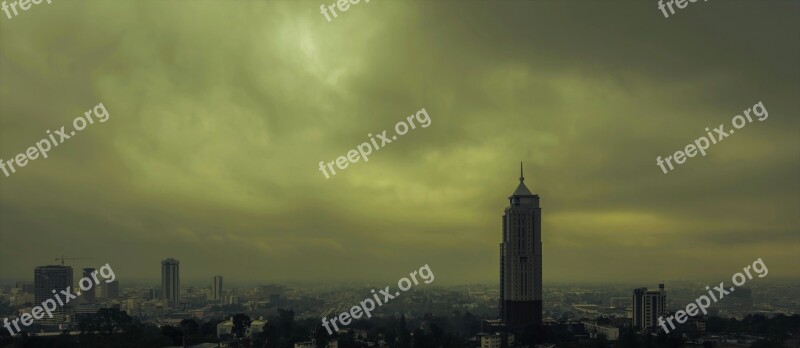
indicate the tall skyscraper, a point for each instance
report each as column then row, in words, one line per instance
column 648, row 305
column 89, row 295
column 171, row 282
column 521, row 259
column 110, row 290
column 216, row 288
column 47, row 279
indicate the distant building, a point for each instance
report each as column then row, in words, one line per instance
column 110, row 290
column 620, row 302
column 152, row 294
column 521, row 259
column 306, row 344
column 496, row 340
column 133, row 306
column 611, row 333
column 271, row 289
column 230, row 299
column 86, row 311
column 89, row 295
column 255, row 328
column 648, row 306
column 49, row 281
column 171, row 282
column 22, row 298
column 491, row 341
column 225, row 328
column 275, row 299
column 492, row 326
column 28, row 287
column 216, row 288
column 313, row 344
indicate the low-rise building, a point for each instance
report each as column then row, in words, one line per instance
column 496, row 340
column 594, row 329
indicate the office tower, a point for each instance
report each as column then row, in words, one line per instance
column 171, row 282
column 48, row 279
column 648, row 306
column 110, row 290
column 89, row 295
column 216, row 288
column 521, row 259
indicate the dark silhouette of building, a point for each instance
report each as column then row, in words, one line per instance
column 110, row 290
column 89, row 295
column 49, row 281
column 648, row 306
column 521, row 259
column 171, row 282
column 216, row 288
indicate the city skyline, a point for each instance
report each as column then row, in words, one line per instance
column 215, row 163
column 343, row 174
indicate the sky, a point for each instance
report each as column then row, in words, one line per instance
column 220, row 112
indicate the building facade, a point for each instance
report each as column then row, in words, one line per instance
column 648, row 306
column 216, row 288
column 49, row 281
column 595, row 330
column 521, row 259
column 171, row 282
column 89, row 295
column 110, row 290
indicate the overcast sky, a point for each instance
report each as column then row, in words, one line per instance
column 220, row 112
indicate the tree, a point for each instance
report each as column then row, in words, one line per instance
column 601, row 341
column 190, row 330
column 240, row 324
column 272, row 335
column 404, row 336
column 174, row 334
column 321, row 336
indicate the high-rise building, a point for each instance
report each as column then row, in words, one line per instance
column 110, row 290
column 89, row 295
column 48, row 282
column 521, row 259
column 171, row 282
column 648, row 306
column 216, row 288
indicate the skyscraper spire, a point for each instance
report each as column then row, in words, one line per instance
column 521, row 190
